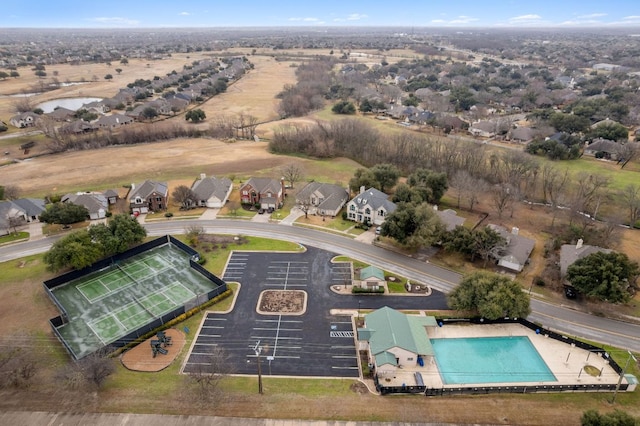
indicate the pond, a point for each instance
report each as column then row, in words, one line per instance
column 69, row 103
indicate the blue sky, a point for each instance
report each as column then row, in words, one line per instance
column 421, row 13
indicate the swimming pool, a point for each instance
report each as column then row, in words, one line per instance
column 490, row 360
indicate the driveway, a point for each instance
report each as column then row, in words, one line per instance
column 210, row 214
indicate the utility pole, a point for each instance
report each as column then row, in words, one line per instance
column 622, row 373
column 258, row 349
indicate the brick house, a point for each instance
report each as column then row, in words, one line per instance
column 149, row 196
column 267, row 192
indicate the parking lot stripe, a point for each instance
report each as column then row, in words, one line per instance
column 345, row 368
column 271, row 337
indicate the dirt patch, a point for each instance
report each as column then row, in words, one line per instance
column 140, row 358
column 359, row 388
column 282, row 302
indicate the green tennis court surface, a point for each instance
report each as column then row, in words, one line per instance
column 106, row 305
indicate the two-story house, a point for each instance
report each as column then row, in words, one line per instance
column 266, row 192
column 370, row 206
column 148, row 196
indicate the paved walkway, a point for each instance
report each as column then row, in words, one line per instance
column 110, row 419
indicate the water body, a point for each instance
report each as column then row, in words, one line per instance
column 69, row 103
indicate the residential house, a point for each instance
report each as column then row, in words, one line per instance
column 449, row 218
column 149, row 196
column 569, row 253
column 96, row 204
column 97, row 107
column 77, row 127
column 62, row 114
column 370, row 206
column 602, row 148
column 31, row 207
column 212, row 192
column 112, row 121
column 324, row 199
column 517, row 250
column 488, row 128
column 11, row 216
column 522, row 134
column 605, row 122
column 265, row 192
column 371, row 278
column 25, row 119
column 396, row 341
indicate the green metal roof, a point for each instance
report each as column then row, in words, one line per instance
column 390, row 328
column 371, row 271
column 386, row 358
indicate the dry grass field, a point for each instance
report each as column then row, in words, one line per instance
column 25, row 309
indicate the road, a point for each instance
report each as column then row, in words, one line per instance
column 557, row 318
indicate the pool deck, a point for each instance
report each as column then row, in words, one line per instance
column 566, row 362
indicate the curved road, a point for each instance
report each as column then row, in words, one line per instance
column 557, row 318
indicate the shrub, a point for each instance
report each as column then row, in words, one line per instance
column 168, row 214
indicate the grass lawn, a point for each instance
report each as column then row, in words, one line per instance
column 16, row 236
column 620, row 178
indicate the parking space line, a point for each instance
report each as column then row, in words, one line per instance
column 345, row 368
column 271, row 337
column 211, row 335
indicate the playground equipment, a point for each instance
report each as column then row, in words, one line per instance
column 156, row 348
column 164, row 339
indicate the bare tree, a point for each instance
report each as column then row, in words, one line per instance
column 467, row 188
column 193, row 234
column 631, row 196
column 184, row 196
column 502, row 197
column 292, row 173
column 304, row 206
column 210, row 372
column 97, row 367
column 18, row 365
column 11, row 192
column 628, row 152
column 554, row 184
column 22, row 104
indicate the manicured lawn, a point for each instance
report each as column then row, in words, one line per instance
column 17, row 236
column 620, row 178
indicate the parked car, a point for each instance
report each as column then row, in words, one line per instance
column 378, row 230
column 261, row 211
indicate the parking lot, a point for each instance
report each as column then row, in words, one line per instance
column 314, row 343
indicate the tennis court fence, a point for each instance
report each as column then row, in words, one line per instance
column 198, row 300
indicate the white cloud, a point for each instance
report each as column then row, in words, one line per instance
column 591, row 16
column 184, row 14
column 631, row 18
column 115, row 21
column 356, row 17
column 304, row 19
column 525, row 18
column 460, row 20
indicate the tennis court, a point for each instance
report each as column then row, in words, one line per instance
column 122, row 297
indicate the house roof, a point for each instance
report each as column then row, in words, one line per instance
column 450, row 219
column 390, row 329
column 148, row 187
column 93, row 202
column 603, row 145
column 332, row 195
column 371, row 272
column 375, row 199
column 110, row 193
column 31, row 206
column 518, row 248
column 113, row 119
column 605, row 122
column 386, row 358
column 569, row 253
column 522, row 133
column 263, row 185
column 6, row 208
column 211, row 187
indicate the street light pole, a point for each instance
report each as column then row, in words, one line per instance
column 624, row 370
column 258, row 349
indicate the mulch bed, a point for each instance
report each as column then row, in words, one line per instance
column 140, row 357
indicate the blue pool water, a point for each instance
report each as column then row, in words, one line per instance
column 490, row 360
